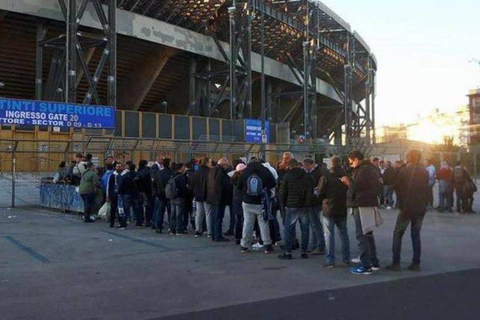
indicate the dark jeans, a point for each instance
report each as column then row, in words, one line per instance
column 131, row 202
column 113, row 209
column 388, row 195
column 238, row 211
column 176, row 217
column 88, row 204
column 233, row 218
column 366, row 243
column 318, row 236
column 462, row 205
column 188, row 214
column 218, row 212
column 329, row 228
column 403, row 221
column 160, row 206
column 148, row 206
column 292, row 216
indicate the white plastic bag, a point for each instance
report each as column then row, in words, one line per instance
column 104, row 212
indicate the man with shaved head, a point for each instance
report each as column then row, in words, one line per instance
column 220, row 194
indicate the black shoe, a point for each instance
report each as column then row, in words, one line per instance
column 111, row 226
column 88, row 220
column 285, row 256
column 158, row 231
column 138, row 224
column 229, row 233
column 122, row 226
column 414, row 267
column 153, row 226
column 237, row 241
column 268, row 249
column 304, row 256
column 198, row 234
column 393, row 267
column 244, row 250
column 148, row 225
column 222, row 240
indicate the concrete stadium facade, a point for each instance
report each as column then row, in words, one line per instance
column 296, row 62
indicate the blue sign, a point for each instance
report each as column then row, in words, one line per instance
column 253, row 131
column 55, row 114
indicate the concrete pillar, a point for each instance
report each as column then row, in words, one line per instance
column 135, row 88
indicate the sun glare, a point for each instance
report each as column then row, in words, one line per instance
column 432, row 132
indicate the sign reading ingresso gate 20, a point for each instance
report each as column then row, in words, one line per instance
column 55, row 114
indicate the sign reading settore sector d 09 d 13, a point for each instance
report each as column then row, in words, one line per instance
column 55, row 114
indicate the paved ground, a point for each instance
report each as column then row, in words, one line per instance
column 56, row 267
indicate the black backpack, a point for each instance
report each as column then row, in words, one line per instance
column 254, row 185
column 171, row 190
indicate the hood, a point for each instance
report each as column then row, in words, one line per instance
column 272, row 170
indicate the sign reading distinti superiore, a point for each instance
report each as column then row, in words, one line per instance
column 55, row 114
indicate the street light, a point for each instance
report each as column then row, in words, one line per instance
column 165, row 105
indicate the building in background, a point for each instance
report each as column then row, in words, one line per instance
column 474, row 116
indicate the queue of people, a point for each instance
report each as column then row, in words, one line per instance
column 194, row 196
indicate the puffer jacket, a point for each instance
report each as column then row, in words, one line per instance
column 296, row 190
column 365, row 187
column 334, row 193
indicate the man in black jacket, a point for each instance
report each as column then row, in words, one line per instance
column 296, row 193
column 315, row 172
column 220, row 194
column 412, row 184
column 198, row 184
column 130, row 196
column 255, row 182
column 388, row 178
column 363, row 189
column 112, row 197
column 334, row 195
column 178, row 199
column 160, row 180
column 144, row 183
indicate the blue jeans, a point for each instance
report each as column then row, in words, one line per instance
column 160, row 206
column 445, row 196
column 388, row 195
column 132, row 203
column 329, row 227
column 88, row 204
column 403, row 221
column 366, row 243
column 176, row 217
column 318, row 237
column 218, row 212
column 292, row 216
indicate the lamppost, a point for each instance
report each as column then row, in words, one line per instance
column 165, row 106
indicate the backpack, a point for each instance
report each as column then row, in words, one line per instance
column 254, row 185
column 171, row 190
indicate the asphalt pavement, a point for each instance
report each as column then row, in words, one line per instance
column 54, row 266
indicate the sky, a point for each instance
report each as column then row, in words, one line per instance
column 423, row 49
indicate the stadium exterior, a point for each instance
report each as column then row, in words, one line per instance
column 192, row 70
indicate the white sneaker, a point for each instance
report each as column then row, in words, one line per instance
column 389, row 208
column 257, row 246
column 356, row 260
